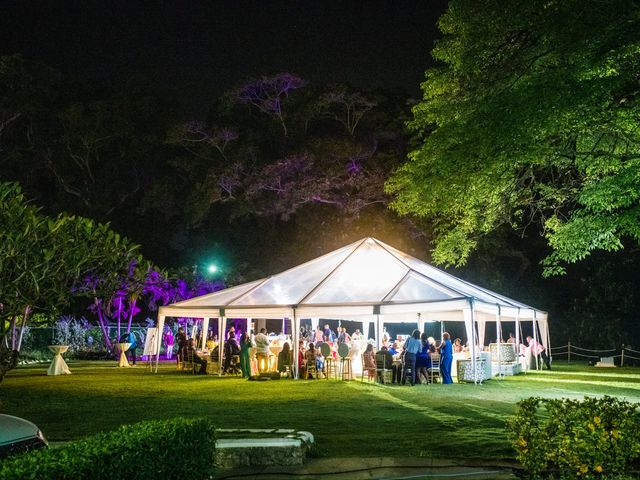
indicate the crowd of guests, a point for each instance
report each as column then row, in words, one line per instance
column 410, row 361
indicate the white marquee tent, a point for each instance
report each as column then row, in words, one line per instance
column 366, row 281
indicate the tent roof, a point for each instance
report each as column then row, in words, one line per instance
column 365, row 273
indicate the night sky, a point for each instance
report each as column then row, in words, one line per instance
column 201, row 49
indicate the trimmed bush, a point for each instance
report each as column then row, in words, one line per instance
column 172, row 449
column 596, row 438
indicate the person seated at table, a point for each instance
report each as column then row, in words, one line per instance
column 310, row 357
column 394, row 349
column 284, row 358
column 301, row 364
column 423, row 359
column 192, row 353
column 369, row 362
column 262, row 350
column 384, row 360
column 511, row 338
column 457, row 345
column 231, row 349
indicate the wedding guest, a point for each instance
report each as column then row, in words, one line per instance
column 446, row 358
column 369, row 362
column 168, row 342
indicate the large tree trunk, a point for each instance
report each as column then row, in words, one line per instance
column 8, row 361
column 10, row 347
column 103, row 325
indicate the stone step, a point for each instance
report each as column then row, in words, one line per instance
column 273, row 447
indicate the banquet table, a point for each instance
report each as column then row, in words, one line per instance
column 123, row 358
column 58, row 365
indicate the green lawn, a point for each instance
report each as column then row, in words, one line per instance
column 347, row 418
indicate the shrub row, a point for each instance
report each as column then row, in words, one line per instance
column 173, row 449
column 596, row 438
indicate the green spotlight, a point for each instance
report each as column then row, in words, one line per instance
column 212, row 268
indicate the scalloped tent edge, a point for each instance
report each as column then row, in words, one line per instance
column 366, row 281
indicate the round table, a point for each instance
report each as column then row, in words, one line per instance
column 58, row 365
column 123, row 358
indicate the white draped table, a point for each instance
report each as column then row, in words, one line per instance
column 123, row 358
column 58, row 365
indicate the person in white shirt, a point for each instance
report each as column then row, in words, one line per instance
column 262, row 350
column 538, row 349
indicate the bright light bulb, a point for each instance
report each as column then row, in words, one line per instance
column 212, row 269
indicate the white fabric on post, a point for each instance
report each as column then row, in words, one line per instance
column 159, row 335
column 205, row 331
column 295, row 334
column 481, row 324
column 221, row 332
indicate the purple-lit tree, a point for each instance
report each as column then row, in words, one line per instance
column 347, row 108
column 268, row 94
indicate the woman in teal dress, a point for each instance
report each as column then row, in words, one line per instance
column 446, row 358
column 245, row 360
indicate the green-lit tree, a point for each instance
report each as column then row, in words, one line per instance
column 532, row 120
column 42, row 259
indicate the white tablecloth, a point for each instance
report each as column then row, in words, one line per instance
column 123, row 358
column 58, row 365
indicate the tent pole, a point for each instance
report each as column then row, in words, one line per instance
column 222, row 330
column 499, row 333
column 161, row 318
column 473, row 340
column 295, row 333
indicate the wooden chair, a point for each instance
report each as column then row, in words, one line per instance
column 188, row 363
column 345, row 361
column 381, row 371
column 434, row 371
column 330, row 367
column 310, row 369
column 367, row 372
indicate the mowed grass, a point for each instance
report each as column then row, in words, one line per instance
column 348, row 419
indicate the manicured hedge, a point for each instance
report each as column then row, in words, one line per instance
column 596, row 438
column 173, row 449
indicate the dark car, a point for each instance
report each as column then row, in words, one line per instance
column 18, row 435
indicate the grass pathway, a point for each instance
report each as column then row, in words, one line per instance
column 349, row 419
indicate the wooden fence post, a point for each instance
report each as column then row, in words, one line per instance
column 568, row 352
column 622, row 357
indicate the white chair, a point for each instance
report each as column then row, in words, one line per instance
column 434, row 371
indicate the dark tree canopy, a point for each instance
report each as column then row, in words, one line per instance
column 532, row 120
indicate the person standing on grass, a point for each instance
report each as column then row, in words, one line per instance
column 181, row 340
column 411, row 348
column 446, row 358
column 168, row 342
column 538, row 349
column 423, row 359
column 262, row 350
column 245, row 360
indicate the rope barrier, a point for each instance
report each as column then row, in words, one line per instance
column 629, row 356
column 631, row 350
column 593, row 350
column 587, row 356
